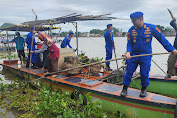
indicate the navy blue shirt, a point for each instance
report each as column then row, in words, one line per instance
column 66, row 42
column 109, row 39
column 139, row 39
column 172, row 23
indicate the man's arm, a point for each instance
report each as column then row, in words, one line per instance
column 43, row 48
column 161, row 38
column 129, row 45
column 69, row 45
column 172, row 23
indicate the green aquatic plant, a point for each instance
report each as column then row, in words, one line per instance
column 49, row 103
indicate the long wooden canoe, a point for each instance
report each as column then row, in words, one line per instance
column 133, row 106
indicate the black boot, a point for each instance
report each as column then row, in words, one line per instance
column 167, row 76
column 124, row 91
column 35, row 66
column 27, row 64
column 108, row 68
column 143, row 92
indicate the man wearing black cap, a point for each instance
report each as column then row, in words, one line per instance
column 139, row 42
column 20, row 44
column 109, row 41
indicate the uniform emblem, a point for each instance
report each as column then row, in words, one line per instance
column 147, row 40
column 147, row 35
column 158, row 29
column 134, row 40
column 128, row 36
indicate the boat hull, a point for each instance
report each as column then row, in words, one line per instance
column 112, row 103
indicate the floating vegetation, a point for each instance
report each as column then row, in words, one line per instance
column 49, row 103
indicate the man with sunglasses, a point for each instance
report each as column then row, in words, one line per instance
column 139, row 42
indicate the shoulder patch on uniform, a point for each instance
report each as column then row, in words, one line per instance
column 158, row 29
column 144, row 25
column 128, row 36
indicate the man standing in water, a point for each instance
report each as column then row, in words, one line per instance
column 172, row 58
column 139, row 42
column 109, row 45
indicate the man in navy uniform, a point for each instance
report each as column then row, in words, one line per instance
column 29, row 41
column 172, row 58
column 67, row 40
column 139, row 42
column 109, row 45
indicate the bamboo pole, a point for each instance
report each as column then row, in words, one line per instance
column 105, row 62
column 30, row 56
column 114, row 49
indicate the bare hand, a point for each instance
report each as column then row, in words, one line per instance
column 39, row 43
column 128, row 55
column 174, row 52
column 114, row 47
column 174, row 19
column 31, row 52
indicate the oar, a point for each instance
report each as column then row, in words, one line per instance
column 172, row 16
column 99, row 63
column 30, row 57
column 114, row 50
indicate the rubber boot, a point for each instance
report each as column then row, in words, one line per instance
column 167, row 76
column 27, row 64
column 124, row 91
column 143, row 92
column 108, row 68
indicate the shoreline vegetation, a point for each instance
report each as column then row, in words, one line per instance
column 117, row 32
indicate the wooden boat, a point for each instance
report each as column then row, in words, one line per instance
column 160, row 85
column 133, row 106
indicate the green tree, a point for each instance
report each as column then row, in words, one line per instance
column 162, row 28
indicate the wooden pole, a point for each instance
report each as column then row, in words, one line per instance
column 114, row 50
column 8, row 45
column 172, row 16
column 30, row 55
column 105, row 62
column 77, row 40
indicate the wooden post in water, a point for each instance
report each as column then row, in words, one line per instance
column 77, row 39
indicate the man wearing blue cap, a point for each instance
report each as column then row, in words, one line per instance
column 29, row 41
column 67, row 40
column 139, row 42
column 109, row 45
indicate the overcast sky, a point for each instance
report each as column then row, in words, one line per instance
column 155, row 11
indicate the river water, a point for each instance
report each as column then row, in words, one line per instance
column 95, row 47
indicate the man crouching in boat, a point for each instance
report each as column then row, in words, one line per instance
column 54, row 52
column 139, row 42
column 172, row 58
